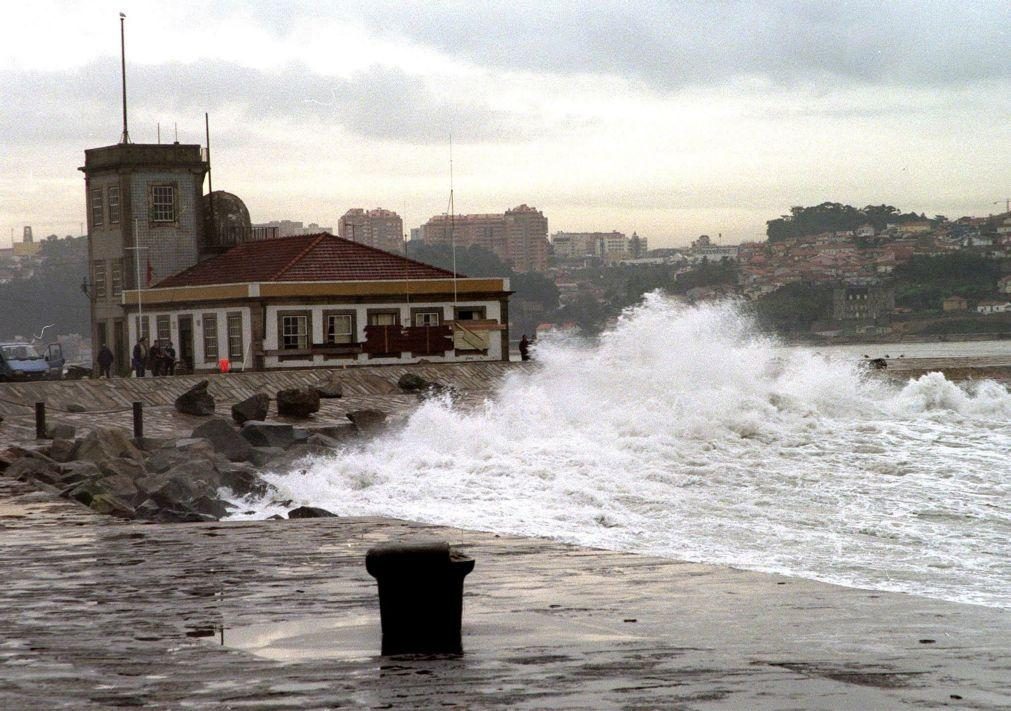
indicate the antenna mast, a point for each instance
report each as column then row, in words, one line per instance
column 125, row 138
column 452, row 218
column 210, row 186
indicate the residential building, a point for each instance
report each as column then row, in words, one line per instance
column 919, row 227
column 637, row 246
column 519, row 237
column 379, row 228
column 320, row 300
column 705, row 248
column 862, row 302
column 993, row 307
column 287, row 228
column 955, row 303
column 574, row 245
column 611, row 247
column 526, row 239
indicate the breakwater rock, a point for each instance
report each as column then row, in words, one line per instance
column 190, row 462
column 177, row 479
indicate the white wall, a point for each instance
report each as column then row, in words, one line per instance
column 493, row 310
column 198, row 333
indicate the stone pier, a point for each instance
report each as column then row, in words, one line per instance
column 282, row 614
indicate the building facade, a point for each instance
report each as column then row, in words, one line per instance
column 286, row 228
column 611, row 247
column 379, row 228
column 862, row 303
column 519, row 237
column 145, row 222
column 320, row 300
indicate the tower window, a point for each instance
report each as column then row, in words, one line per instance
column 113, row 198
column 96, row 207
column 163, row 203
column 100, row 283
column 117, row 276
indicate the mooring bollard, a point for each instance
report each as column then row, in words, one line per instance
column 138, row 420
column 420, row 596
column 40, row 421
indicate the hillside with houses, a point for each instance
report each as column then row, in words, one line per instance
column 829, row 271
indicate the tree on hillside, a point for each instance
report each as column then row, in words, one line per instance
column 793, row 308
column 477, row 261
column 472, row 261
column 707, row 273
column 923, row 281
column 52, row 295
column 833, row 217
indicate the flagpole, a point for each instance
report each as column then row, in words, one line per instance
column 140, row 297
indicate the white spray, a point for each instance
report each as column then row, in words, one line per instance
column 684, row 433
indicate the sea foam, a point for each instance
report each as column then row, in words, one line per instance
column 683, row 432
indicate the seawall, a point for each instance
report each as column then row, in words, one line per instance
column 109, row 402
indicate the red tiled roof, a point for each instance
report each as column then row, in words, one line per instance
column 320, row 257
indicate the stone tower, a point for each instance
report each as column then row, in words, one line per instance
column 145, row 223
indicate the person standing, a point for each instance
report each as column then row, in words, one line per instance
column 524, row 348
column 170, row 359
column 105, row 359
column 154, row 358
column 140, row 356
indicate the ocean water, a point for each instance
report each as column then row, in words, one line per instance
column 686, row 434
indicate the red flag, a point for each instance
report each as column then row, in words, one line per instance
column 150, row 272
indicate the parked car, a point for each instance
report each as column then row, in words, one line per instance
column 22, row 361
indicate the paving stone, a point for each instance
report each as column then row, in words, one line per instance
column 101, row 613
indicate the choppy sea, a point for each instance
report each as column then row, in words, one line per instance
column 685, row 433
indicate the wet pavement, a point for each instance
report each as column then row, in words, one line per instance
column 103, row 614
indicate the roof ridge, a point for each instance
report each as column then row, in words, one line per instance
column 298, row 257
column 404, row 256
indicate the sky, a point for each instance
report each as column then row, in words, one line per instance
column 670, row 119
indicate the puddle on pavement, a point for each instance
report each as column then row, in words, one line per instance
column 358, row 637
column 349, row 638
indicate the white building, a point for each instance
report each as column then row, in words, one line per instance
column 320, row 300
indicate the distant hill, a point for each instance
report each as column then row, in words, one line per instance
column 52, row 295
column 834, row 217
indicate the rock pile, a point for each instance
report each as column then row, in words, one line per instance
column 178, row 480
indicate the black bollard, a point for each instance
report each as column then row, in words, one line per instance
column 420, row 596
column 138, row 420
column 40, row 421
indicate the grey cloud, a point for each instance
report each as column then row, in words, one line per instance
column 675, row 44
column 381, row 103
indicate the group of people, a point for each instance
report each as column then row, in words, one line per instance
column 159, row 358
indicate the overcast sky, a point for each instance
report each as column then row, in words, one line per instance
column 673, row 119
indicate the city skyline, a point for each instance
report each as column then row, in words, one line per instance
column 667, row 120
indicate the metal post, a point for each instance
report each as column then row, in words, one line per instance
column 136, row 249
column 125, row 138
column 40, row 420
column 138, row 420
